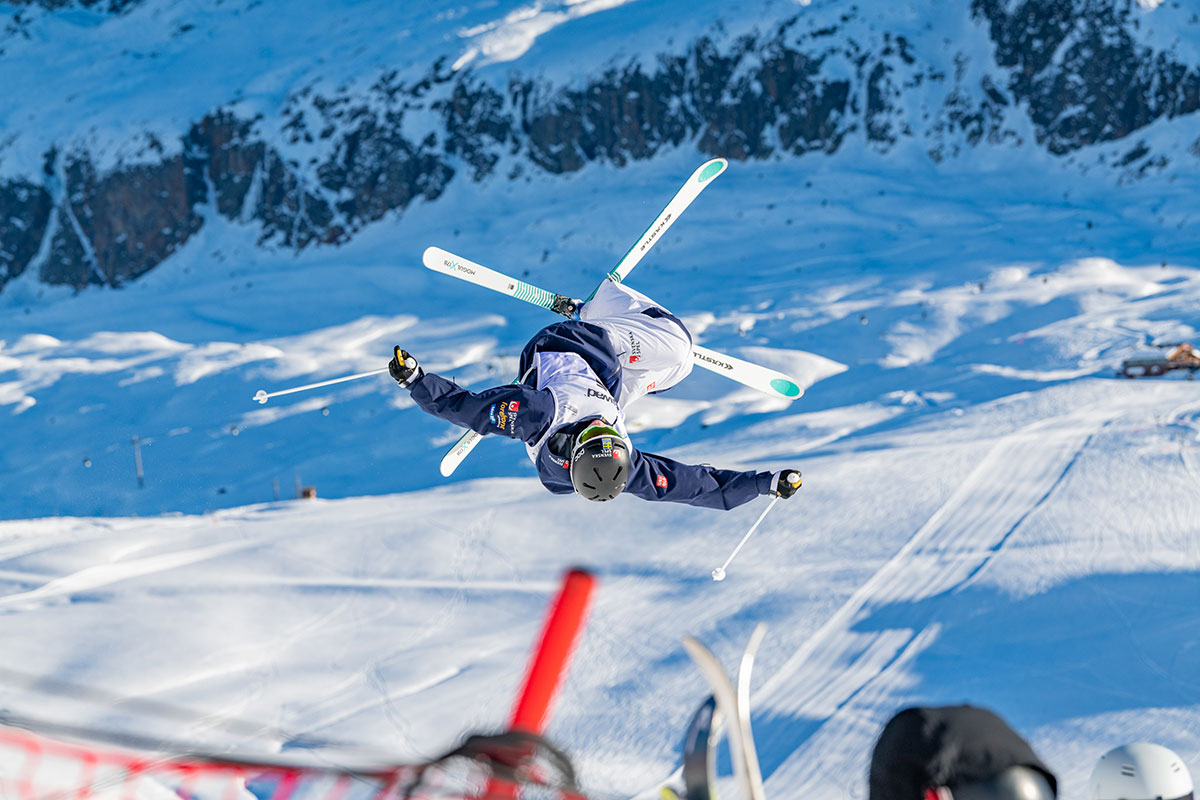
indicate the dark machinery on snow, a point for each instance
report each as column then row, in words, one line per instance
column 1183, row 356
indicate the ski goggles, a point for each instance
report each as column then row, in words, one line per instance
column 596, row 429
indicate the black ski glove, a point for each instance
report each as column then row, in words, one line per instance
column 404, row 368
column 784, row 484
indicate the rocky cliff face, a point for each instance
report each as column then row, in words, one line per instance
column 1072, row 72
column 1079, row 71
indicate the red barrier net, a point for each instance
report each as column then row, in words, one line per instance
column 34, row 766
column 41, row 761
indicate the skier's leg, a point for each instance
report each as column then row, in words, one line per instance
column 654, row 346
column 613, row 299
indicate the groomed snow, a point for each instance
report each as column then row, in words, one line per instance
column 989, row 515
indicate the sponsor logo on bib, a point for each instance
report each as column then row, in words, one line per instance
column 635, row 350
column 601, row 395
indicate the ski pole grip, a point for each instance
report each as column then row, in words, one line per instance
column 564, row 622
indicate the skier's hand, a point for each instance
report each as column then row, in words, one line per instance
column 784, row 484
column 404, row 368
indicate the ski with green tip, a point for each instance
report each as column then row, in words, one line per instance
column 767, row 381
column 690, row 190
column 446, row 263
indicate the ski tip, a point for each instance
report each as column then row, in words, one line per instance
column 786, row 388
column 711, row 170
column 435, row 257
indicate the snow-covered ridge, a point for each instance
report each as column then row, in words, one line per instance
column 989, row 513
column 325, row 120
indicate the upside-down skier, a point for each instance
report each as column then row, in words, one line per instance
column 576, row 377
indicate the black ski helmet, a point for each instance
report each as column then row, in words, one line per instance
column 599, row 462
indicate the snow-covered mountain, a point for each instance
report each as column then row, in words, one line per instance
column 328, row 117
column 951, row 226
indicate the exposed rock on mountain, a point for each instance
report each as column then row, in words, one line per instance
column 1080, row 72
column 1072, row 72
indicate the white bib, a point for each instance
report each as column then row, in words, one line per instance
column 578, row 394
column 654, row 352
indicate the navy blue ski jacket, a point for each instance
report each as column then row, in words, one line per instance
column 522, row 412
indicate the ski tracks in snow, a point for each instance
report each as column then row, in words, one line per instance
column 848, row 681
column 120, row 569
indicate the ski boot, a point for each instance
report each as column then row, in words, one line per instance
column 566, row 306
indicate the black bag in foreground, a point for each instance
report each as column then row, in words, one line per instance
column 970, row 751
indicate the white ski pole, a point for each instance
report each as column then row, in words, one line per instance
column 262, row 396
column 718, row 574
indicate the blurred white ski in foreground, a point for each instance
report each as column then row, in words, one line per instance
column 704, row 732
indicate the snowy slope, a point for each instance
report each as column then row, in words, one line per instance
column 1036, row 554
column 989, row 515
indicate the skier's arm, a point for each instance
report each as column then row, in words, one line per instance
column 515, row 411
column 659, row 478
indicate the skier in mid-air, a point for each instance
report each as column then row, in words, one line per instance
column 576, row 377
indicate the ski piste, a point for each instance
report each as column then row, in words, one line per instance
column 499, row 282
column 734, row 704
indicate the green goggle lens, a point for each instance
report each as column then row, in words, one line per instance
column 597, row 430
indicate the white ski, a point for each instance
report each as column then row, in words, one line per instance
column 753, row 770
column 448, row 264
column 439, row 260
column 767, row 381
column 735, row 706
column 455, row 455
column 690, row 190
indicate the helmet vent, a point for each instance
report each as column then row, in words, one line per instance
column 1128, row 770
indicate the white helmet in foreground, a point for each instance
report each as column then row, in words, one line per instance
column 1140, row 771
